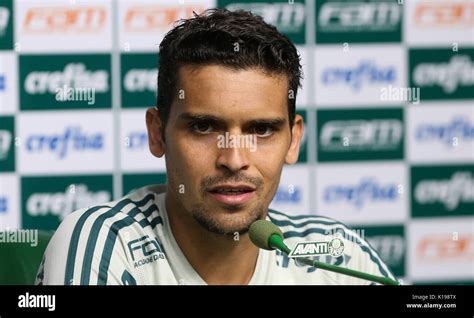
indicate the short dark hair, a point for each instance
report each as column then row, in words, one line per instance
column 210, row 38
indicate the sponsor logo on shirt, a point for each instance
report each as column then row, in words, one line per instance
column 145, row 251
column 335, row 248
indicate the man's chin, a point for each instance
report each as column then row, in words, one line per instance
column 226, row 226
column 228, row 219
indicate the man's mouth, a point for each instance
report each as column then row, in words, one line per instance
column 232, row 194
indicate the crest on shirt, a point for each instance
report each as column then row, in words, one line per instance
column 334, row 247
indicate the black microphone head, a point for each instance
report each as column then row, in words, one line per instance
column 260, row 232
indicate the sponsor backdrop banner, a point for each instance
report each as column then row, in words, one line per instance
column 387, row 100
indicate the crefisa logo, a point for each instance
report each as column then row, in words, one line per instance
column 449, row 76
column 448, row 192
column 449, row 133
column 367, row 190
column 366, row 72
column 61, row 204
column 72, row 139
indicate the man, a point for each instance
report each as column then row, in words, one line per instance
column 224, row 77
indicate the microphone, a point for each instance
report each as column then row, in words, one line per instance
column 264, row 234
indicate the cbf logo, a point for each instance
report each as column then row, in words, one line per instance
column 335, row 248
column 366, row 72
column 146, row 251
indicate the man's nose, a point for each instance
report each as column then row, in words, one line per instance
column 233, row 154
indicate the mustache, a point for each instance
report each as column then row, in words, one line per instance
column 210, row 181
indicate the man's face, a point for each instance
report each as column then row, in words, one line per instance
column 227, row 139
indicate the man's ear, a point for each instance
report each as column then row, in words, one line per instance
column 297, row 136
column 154, row 128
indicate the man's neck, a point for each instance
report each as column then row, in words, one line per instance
column 218, row 259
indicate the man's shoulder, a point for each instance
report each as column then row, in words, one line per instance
column 92, row 240
column 307, row 226
column 138, row 206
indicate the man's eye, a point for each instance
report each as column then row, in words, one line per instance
column 201, row 127
column 263, row 131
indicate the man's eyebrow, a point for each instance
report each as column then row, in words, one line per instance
column 275, row 122
column 200, row 117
